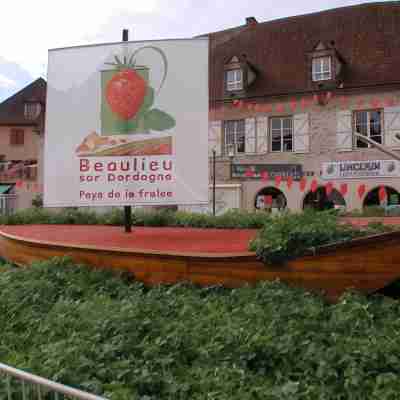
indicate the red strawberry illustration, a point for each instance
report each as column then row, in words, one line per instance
column 125, row 93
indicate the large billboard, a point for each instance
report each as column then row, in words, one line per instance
column 127, row 124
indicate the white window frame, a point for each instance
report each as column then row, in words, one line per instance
column 237, row 82
column 321, row 73
column 233, row 147
column 282, row 150
column 355, row 139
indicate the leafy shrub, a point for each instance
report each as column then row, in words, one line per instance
column 291, row 235
column 140, row 217
column 370, row 211
column 101, row 333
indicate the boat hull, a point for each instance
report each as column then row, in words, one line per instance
column 366, row 264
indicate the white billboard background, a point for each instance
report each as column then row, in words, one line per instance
column 74, row 111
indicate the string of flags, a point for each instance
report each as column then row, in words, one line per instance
column 29, row 186
column 305, row 102
column 314, row 185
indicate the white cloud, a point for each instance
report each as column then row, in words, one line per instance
column 28, row 29
column 7, row 83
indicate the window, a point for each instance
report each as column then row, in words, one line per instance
column 369, row 124
column 281, row 134
column 234, row 79
column 17, row 137
column 321, row 69
column 235, row 137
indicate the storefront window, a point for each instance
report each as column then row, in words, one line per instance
column 270, row 199
column 390, row 197
column 320, row 201
column 368, row 123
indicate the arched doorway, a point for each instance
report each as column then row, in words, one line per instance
column 372, row 198
column 319, row 200
column 270, row 199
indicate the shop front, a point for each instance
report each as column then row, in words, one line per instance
column 369, row 182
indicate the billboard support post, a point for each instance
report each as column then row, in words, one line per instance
column 127, row 209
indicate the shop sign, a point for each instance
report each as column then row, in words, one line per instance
column 272, row 171
column 360, row 169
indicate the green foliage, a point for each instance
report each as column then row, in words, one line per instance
column 140, row 217
column 104, row 334
column 370, row 211
column 292, row 235
column 37, row 201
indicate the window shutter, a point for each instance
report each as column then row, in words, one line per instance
column 344, row 130
column 392, row 126
column 301, row 129
column 262, row 137
column 250, row 135
column 215, row 137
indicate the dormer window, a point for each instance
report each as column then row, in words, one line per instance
column 321, row 69
column 234, row 79
column 239, row 74
column 325, row 69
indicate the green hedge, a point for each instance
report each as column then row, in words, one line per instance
column 231, row 219
column 104, row 334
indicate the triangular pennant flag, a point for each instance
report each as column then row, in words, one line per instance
column 360, row 102
column 278, row 180
column 344, row 102
column 264, row 175
column 280, row 108
column 236, row 103
column 361, row 190
column 293, row 105
column 267, row 108
column 314, row 185
column 19, row 184
column 249, row 173
column 289, row 182
column 389, row 102
column 329, row 188
column 382, row 193
column 268, row 200
column 375, row 103
column 303, row 183
column 343, row 189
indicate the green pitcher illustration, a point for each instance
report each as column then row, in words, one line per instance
column 127, row 98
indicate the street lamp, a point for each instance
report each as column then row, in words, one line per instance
column 231, row 155
column 214, row 152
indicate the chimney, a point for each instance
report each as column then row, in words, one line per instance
column 251, row 21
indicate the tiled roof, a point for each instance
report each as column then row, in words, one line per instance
column 12, row 109
column 366, row 36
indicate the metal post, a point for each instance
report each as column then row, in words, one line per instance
column 127, row 209
column 213, row 161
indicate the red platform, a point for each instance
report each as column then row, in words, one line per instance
column 176, row 240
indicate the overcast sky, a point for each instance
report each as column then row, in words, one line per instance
column 29, row 28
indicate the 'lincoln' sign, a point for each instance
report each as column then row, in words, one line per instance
column 360, row 169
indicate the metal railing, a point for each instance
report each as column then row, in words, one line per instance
column 17, row 384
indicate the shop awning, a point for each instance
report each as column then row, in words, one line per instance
column 5, row 188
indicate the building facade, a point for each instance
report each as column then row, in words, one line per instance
column 21, row 147
column 291, row 102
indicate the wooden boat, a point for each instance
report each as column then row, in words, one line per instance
column 365, row 264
